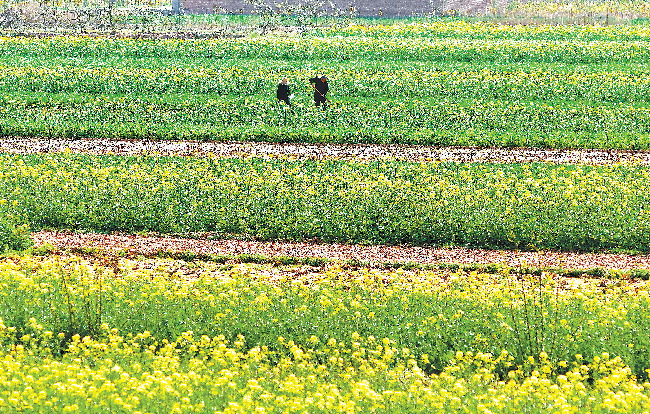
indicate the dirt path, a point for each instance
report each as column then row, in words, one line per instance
column 374, row 254
column 319, row 151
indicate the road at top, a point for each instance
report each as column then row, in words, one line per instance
column 358, row 152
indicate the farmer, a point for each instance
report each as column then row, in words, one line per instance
column 284, row 91
column 319, row 83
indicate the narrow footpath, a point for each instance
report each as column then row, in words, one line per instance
column 136, row 244
column 356, row 152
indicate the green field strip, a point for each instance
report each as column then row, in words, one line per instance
column 468, row 123
column 508, row 206
column 483, row 91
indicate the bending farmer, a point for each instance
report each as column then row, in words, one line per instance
column 284, row 91
column 319, row 83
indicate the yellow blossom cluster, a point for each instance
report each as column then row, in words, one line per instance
column 121, row 376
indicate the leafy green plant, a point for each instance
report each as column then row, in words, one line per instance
column 14, row 237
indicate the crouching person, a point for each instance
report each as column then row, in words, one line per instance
column 284, row 93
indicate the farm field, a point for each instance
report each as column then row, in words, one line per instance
column 173, row 240
column 436, row 83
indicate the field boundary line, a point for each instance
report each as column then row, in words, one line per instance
column 152, row 244
column 359, row 152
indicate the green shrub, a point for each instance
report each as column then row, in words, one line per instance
column 14, row 237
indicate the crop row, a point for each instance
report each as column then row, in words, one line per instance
column 476, row 123
column 394, row 83
column 585, row 10
column 461, row 29
column 534, row 206
column 336, row 49
column 81, row 337
column 224, row 90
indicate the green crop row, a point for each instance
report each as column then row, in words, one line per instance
column 536, row 206
column 593, row 96
column 390, row 83
column 476, row 123
column 335, row 49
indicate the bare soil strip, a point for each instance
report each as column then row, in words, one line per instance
column 136, row 244
column 358, row 152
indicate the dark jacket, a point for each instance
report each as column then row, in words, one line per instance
column 283, row 92
column 321, row 86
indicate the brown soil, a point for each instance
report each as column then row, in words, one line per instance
column 145, row 245
column 358, row 152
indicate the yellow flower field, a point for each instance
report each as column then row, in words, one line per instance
column 136, row 336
